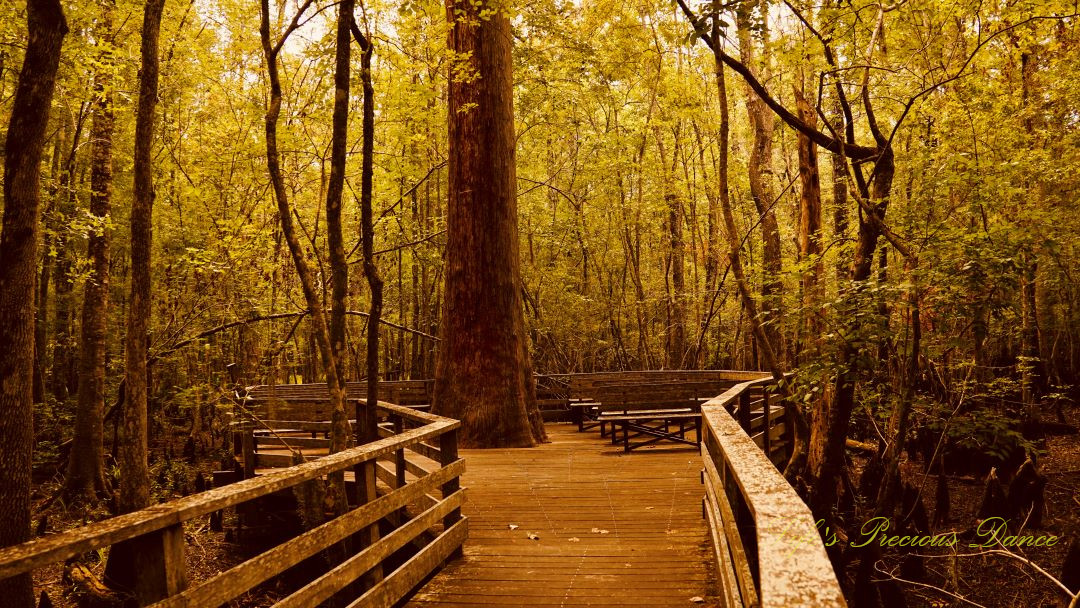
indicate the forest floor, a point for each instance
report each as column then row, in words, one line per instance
column 995, row 580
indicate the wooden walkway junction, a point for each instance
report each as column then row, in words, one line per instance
column 664, row 493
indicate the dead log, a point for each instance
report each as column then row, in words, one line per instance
column 88, row 590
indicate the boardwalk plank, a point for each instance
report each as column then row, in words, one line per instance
column 655, row 551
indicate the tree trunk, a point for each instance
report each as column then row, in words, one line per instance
column 810, row 224
column 85, row 479
column 675, row 336
column 339, row 265
column 320, row 329
column 480, row 374
column 134, row 478
column 122, row 569
column 830, row 426
column 759, row 168
column 368, row 421
column 677, row 306
column 1034, row 380
column 19, row 251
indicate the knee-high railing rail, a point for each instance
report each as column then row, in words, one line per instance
column 768, row 550
column 437, row 532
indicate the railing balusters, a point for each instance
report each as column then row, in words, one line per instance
column 155, row 536
column 766, row 426
column 744, row 410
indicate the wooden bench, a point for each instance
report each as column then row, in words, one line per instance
column 601, row 398
column 651, row 409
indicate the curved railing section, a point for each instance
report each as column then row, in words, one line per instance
column 375, row 562
column 768, row 549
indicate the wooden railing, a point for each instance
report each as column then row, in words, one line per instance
column 768, row 550
column 432, row 535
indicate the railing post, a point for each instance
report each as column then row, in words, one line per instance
column 152, row 566
column 448, row 447
column 743, row 413
column 766, row 439
column 399, row 455
column 247, row 449
column 364, row 473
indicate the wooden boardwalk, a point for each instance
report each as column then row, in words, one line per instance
column 614, row 529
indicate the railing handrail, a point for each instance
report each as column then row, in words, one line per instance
column 28, row 556
column 792, row 566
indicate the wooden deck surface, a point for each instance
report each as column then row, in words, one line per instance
column 613, row 529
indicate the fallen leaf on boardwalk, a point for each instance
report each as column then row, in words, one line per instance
column 649, row 508
column 603, row 531
column 697, row 599
column 513, row 526
column 574, row 539
column 533, row 536
column 596, row 530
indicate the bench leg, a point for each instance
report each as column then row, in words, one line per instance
column 697, row 429
column 625, row 436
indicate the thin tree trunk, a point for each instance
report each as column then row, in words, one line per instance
column 339, row 265
column 368, row 421
column 134, row 478
column 481, row 370
column 19, row 251
column 768, row 354
column 122, row 569
column 810, row 225
column 675, row 341
column 85, row 479
column 1032, row 365
column 889, row 491
column 320, row 329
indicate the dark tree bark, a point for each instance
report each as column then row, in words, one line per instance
column 85, row 479
column 1032, row 365
column 368, row 422
column 19, row 237
column 749, row 304
column 809, row 223
column 675, row 336
column 339, row 264
column 134, row 478
column 122, row 569
column 482, row 367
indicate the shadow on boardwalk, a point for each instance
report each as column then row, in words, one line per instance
column 614, row 529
